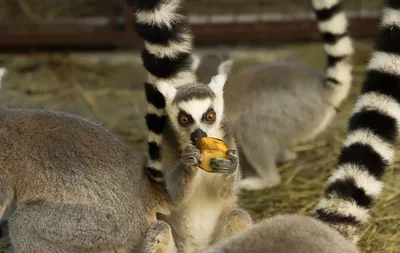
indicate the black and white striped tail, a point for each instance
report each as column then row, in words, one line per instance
column 333, row 25
column 373, row 129
column 168, row 44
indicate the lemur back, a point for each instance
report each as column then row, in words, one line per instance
column 76, row 187
column 274, row 106
column 286, row 234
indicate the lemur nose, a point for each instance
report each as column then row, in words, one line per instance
column 197, row 134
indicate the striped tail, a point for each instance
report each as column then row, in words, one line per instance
column 333, row 25
column 373, row 129
column 166, row 55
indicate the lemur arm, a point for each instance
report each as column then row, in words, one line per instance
column 179, row 180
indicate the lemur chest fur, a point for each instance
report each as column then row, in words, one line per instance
column 197, row 218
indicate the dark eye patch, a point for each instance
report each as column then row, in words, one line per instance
column 204, row 117
column 183, row 114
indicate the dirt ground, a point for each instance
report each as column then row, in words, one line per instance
column 107, row 87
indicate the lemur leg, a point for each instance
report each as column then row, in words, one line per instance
column 4, row 231
column 286, row 154
column 180, row 180
column 42, row 227
column 231, row 223
column 159, row 239
column 261, row 155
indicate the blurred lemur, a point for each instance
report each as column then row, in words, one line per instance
column 274, row 106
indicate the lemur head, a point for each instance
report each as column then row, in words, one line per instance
column 195, row 110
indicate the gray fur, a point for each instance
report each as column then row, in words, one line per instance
column 189, row 92
column 279, row 234
column 272, row 107
column 76, row 187
column 286, row 234
column 207, row 65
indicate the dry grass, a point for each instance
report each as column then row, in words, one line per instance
column 101, row 87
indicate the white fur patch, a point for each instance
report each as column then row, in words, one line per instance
column 182, row 78
column 341, row 71
column 379, row 102
column 153, row 110
column 195, row 62
column 362, row 178
column 155, row 165
column 343, row 47
column 202, row 213
column 344, row 207
column 196, row 108
column 153, row 137
column 217, row 83
column 337, row 24
column 322, row 4
column 173, row 49
column 385, row 62
column 367, row 137
column 3, row 72
column 167, row 90
column 390, row 17
column 165, row 15
column 225, row 67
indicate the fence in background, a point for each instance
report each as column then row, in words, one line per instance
column 109, row 23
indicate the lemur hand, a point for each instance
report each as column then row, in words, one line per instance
column 226, row 166
column 190, row 156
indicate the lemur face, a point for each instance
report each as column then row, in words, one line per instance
column 195, row 110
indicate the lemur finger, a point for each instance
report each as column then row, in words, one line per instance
column 232, row 154
column 222, row 165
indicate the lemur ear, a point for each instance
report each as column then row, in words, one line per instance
column 217, row 83
column 167, row 90
column 3, row 72
column 195, row 62
column 225, row 67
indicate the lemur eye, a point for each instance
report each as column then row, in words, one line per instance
column 210, row 117
column 184, row 120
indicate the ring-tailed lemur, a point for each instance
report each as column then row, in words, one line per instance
column 204, row 202
column 167, row 57
column 354, row 185
column 373, row 131
column 75, row 186
column 274, row 106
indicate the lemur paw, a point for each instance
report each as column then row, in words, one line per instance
column 226, row 166
column 255, row 183
column 158, row 238
column 191, row 156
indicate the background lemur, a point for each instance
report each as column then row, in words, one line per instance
column 203, row 204
column 76, row 187
column 167, row 57
column 357, row 181
column 274, row 106
column 208, row 65
column 286, row 234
